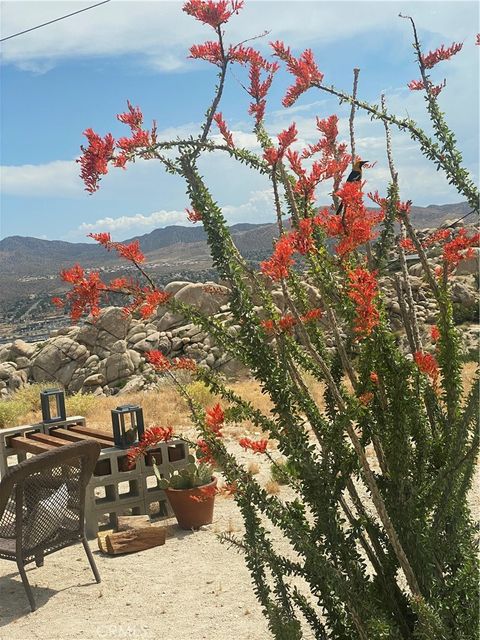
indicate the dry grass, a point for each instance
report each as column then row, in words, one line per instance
column 272, row 487
column 253, row 468
column 164, row 406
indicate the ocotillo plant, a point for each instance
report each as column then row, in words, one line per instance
column 381, row 537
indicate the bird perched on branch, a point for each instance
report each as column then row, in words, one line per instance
column 354, row 176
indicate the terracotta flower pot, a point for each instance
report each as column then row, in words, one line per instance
column 193, row 507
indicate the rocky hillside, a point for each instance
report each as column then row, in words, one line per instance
column 107, row 356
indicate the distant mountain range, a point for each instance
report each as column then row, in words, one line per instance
column 174, row 246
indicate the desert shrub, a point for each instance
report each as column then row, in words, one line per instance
column 30, row 395
column 380, row 467
column 80, row 404
column 12, row 411
column 200, row 393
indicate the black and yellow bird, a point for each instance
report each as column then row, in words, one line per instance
column 354, row 176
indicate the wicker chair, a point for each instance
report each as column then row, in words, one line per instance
column 42, row 506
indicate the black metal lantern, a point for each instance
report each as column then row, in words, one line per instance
column 47, row 398
column 128, row 426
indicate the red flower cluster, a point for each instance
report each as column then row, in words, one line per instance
column 150, row 438
column 222, row 126
column 407, row 245
column 85, row 293
column 460, row 248
column 285, row 139
column 312, row 316
column 100, row 151
column 208, row 51
column 363, row 290
column 334, row 155
column 427, row 364
column 303, row 68
column 259, row 446
column 193, row 215
column 133, row 117
column 159, row 361
column 102, row 238
column 418, row 85
column 95, row 158
column 162, row 363
column 288, row 321
column 401, row 207
column 139, row 138
column 204, row 453
column 356, row 225
column 435, row 333
column 366, row 398
column 439, row 236
column 277, row 266
column 131, row 251
column 434, row 57
column 259, row 88
column 306, row 183
column 212, row 13
column 185, row 364
column 215, row 419
column 153, row 299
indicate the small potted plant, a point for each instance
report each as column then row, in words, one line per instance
column 190, row 491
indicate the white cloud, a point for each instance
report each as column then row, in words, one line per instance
column 161, row 33
column 258, row 208
column 139, row 222
column 54, row 179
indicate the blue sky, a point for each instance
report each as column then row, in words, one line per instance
column 78, row 73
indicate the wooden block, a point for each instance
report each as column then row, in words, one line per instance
column 46, row 439
column 93, row 433
column 29, row 446
column 125, row 523
column 134, row 540
column 72, row 436
column 101, row 535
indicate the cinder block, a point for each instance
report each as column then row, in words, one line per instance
column 68, row 422
column 114, row 463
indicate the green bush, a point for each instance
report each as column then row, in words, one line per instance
column 11, row 412
column 200, row 393
column 80, row 404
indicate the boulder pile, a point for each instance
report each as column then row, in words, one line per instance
column 107, row 355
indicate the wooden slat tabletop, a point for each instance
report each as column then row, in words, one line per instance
column 29, row 446
column 71, row 436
